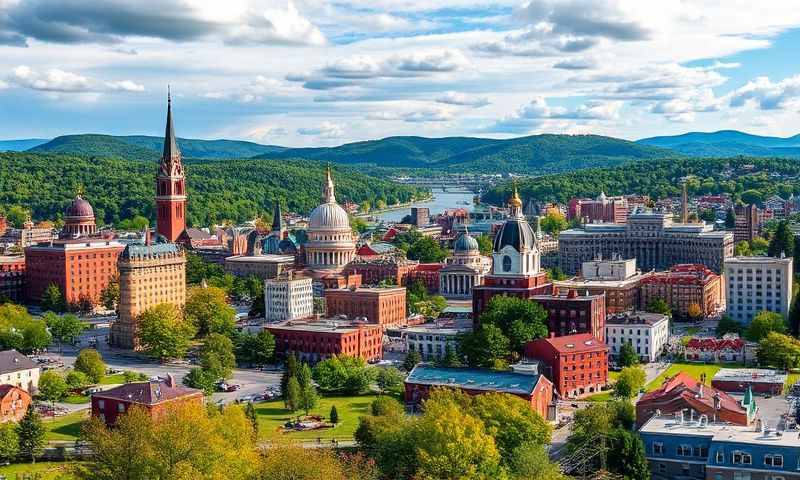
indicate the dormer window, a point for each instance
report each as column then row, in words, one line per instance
column 506, row 263
column 742, row 458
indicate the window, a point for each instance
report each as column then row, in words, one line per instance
column 121, row 407
column 662, row 468
column 506, row 263
column 741, row 475
column 773, row 460
column 101, row 404
column 684, row 451
column 742, row 458
column 658, row 448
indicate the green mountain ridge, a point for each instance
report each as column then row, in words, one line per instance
column 728, row 143
column 21, row 144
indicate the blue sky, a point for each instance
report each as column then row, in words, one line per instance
column 320, row 72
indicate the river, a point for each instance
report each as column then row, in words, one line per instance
column 440, row 202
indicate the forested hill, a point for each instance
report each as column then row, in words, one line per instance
column 532, row 154
column 237, row 189
column 21, row 144
column 142, row 147
column 746, row 178
column 728, row 143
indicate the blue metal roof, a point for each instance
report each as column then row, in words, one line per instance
column 473, row 379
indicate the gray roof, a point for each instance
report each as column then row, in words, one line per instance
column 12, row 361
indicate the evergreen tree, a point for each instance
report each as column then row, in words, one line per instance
column 52, row 299
column 782, row 241
column 291, row 396
column 308, row 393
column 250, row 412
column 289, row 372
column 334, row 415
column 31, row 432
column 794, row 317
column 412, row 359
column 450, row 358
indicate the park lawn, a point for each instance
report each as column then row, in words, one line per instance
column 112, row 379
column 67, row 427
column 791, row 379
column 77, row 399
column 693, row 369
column 39, row 470
column 272, row 415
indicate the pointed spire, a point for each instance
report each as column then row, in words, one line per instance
column 515, row 204
column 277, row 218
column 328, row 194
column 170, row 144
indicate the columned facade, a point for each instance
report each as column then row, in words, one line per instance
column 330, row 243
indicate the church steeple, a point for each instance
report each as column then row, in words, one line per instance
column 170, row 144
column 170, row 185
column 328, row 194
column 277, row 220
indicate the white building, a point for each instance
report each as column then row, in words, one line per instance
column 288, row 299
column 646, row 332
column 18, row 370
column 431, row 339
column 755, row 284
column 615, row 269
column 464, row 269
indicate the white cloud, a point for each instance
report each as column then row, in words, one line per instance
column 458, row 98
column 3, row 85
column 276, row 26
column 768, row 95
column 266, row 133
column 537, row 111
column 324, row 130
column 125, row 86
column 52, row 80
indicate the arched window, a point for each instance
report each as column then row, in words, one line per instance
column 506, row 263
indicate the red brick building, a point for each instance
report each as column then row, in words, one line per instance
column 577, row 364
column 374, row 271
column 155, row 397
column 602, row 209
column 313, row 341
column 170, row 186
column 682, row 286
column 428, row 273
column 683, row 392
column 14, row 402
column 3, row 225
column 12, row 277
column 523, row 287
column 536, row 390
column 574, row 313
column 79, row 267
column 384, row 306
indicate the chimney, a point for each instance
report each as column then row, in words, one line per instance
column 170, row 381
column 555, row 291
column 700, row 393
column 147, row 239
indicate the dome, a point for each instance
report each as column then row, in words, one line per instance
column 517, row 233
column 465, row 244
column 79, row 208
column 329, row 216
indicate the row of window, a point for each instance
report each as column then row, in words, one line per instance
column 738, row 457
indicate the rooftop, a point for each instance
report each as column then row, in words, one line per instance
column 636, row 318
column 578, row 282
column 147, row 393
column 745, row 260
column 442, row 328
column 322, row 326
column 686, row 387
column 473, row 379
column 12, row 361
column 582, row 342
column 268, row 258
column 761, row 375
column 720, row 432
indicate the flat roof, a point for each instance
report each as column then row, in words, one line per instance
column 473, row 379
column 760, row 375
column 636, row 318
column 443, row 328
column 746, row 260
column 719, row 432
column 332, row 326
column 578, row 282
column 267, row 258
column 393, row 289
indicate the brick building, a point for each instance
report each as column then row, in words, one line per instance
column 683, row 392
column 156, row 397
column 149, row 274
column 170, row 186
column 748, row 223
column 758, row 380
column 682, row 286
column 428, row 273
column 574, row 313
column 373, row 271
column 603, row 209
column 313, row 341
column 14, row 402
column 78, row 267
column 535, row 389
column 384, row 306
column 618, row 279
column 12, row 277
column 577, row 364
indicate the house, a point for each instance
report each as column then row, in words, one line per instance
column 729, row 348
column 535, row 389
column 18, row 370
column 758, row 380
column 156, row 397
column 14, row 402
column 682, row 393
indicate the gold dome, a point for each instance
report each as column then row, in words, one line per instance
column 515, row 201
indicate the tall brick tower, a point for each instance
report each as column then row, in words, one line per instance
column 170, row 186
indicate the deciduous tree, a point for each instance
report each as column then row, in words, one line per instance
column 64, row 328
column 90, row 362
column 627, row 355
column 163, row 333
column 629, row 382
column 764, row 323
column 52, row 386
column 208, row 311
column 519, row 320
column 53, row 300
column 217, row 357
column 31, row 432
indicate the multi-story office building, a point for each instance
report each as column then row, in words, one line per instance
column 261, row 266
column 288, row 299
column 681, row 447
column 577, row 364
column 646, row 332
column 574, row 313
column 12, row 277
column 431, row 339
column 748, row 223
column 617, row 279
column 149, row 275
column 384, row 306
column 603, row 209
column 683, row 286
column 652, row 238
column 755, row 284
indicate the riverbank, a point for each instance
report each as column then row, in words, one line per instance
column 398, row 206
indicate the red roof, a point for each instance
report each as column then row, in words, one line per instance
column 715, row 343
column 582, row 342
column 390, row 234
column 147, row 393
column 685, row 387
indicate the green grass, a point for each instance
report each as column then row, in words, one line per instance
column 77, row 399
column 42, row 470
column 112, row 379
column 272, row 415
column 791, row 380
column 599, row 397
column 67, row 427
column 693, row 369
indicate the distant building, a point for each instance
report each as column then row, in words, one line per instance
column 170, row 186
column 755, row 284
column 313, row 341
column 18, row 370
column 465, row 269
column 261, row 266
column 427, row 273
column 652, row 238
column 290, row 298
column 12, row 277
column 691, row 449
column 392, row 269
column 149, row 275
column 384, row 306
column 420, row 216
column 729, row 348
column 646, row 332
column 376, row 250
column 535, row 389
column 14, row 403
column 780, row 208
column 603, row 209
column 748, row 223
column 431, row 339
column 155, row 397
column 617, row 279
column 757, row 380
column 682, row 286
column 79, row 219
column 577, row 364
column 574, row 313
column 27, row 235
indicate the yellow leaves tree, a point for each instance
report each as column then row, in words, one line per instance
column 694, row 310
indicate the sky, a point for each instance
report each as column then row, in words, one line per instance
column 322, row 72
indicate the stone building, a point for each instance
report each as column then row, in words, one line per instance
column 653, row 239
column 288, row 298
column 465, row 269
column 384, row 306
column 754, row 284
column 79, row 219
column 618, row 279
column 262, row 266
column 149, row 275
column 330, row 244
column 647, row 333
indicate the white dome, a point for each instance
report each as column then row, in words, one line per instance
column 329, row 216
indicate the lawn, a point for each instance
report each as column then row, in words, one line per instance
column 112, row 379
column 791, row 380
column 67, row 427
column 41, row 470
column 272, row 415
column 77, row 399
column 693, row 369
